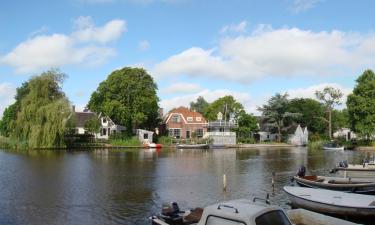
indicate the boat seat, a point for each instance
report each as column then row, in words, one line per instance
column 194, row 216
column 372, row 203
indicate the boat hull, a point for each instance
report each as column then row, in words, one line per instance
column 364, row 187
column 333, row 148
column 303, row 201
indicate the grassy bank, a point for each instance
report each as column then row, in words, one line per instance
column 133, row 141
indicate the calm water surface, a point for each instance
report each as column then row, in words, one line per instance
column 127, row 186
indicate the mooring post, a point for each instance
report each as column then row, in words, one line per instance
column 273, row 182
column 224, row 183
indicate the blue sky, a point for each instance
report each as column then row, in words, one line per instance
column 249, row 49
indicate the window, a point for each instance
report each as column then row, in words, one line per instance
column 276, row 217
column 104, row 120
column 109, row 131
column 189, row 119
column 175, row 133
column 199, row 119
column 104, row 132
column 199, row 132
column 145, row 136
column 214, row 220
column 175, row 118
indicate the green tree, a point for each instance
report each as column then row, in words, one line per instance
column 43, row 112
column 226, row 105
column 340, row 119
column 312, row 114
column 10, row 113
column 200, row 105
column 92, row 125
column 247, row 124
column 128, row 97
column 275, row 113
column 361, row 105
column 330, row 97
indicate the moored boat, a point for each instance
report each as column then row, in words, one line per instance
column 356, row 185
column 333, row 146
column 332, row 202
column 365, row 170
column 193, row 146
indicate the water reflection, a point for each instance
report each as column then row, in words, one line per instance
column 126, row 186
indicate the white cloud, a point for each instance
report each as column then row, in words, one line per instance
column 182, row 88
column 209, row 96
column 274, row 52
column 80, row 47
column 309, row 92
column 86, row 30
column 303, row 5
column 238, row 28
column 7, row 93
column 143, row 45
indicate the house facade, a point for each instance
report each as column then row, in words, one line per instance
column 107, row 126
column 220, row 131
column 182, row 123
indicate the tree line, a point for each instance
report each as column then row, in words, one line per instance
column 42, row 116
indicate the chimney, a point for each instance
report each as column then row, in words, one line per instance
column 73, row 108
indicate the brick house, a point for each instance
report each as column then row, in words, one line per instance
column 181, row 123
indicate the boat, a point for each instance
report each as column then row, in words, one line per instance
column 303, row 216
column 332, row 202
column 192, row 146
column 152, row 145
column 355, row 185
column 364, row 170
column 242, row 211
column 333, row 146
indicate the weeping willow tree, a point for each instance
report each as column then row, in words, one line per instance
column 43, row 113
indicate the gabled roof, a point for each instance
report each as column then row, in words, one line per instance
column 185, row 112
column 82, row 117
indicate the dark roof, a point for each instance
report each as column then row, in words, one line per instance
column 82, row 117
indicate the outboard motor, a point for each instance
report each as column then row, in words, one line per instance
column 171, row 213
column 343, row 164
column 301, row 171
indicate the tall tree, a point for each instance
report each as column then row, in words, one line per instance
column 10, row 113
column 330, row 97
column 92, row 125
column 312, row 114
column 200, row 105
column 361, row 105
column 43, row 112
column 275, row 113
column 128, row 97
column 247, row 124
column 227, row 105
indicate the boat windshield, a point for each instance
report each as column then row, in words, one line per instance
column 276, row 217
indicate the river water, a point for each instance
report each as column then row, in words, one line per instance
column 127, row 186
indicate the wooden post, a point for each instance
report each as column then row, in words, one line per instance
column 273, row 182
column 224, row 183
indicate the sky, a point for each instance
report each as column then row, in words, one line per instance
column 246, row 48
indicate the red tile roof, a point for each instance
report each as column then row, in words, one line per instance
column 187, row 113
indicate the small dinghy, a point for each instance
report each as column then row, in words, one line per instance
column 333, row 146
column 355, row 185
column 332, row 202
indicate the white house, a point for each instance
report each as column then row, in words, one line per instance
column 107, row 126
column 344, row 133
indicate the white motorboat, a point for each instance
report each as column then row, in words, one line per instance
column 332, row 202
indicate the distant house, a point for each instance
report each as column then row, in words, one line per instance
column 265, row 133
column 220, row 131
column 107, row 126
column 182, row 123
column 344, row 133
column 145, row 136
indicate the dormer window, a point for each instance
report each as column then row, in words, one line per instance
column 104, row 120
column 189, row 119
column 198, row 119
column 175, row 118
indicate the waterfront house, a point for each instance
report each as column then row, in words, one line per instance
column 145, row 136
column 266, row 133
column 344, row 133
column 220, row 131
column 300, row 136
column 107, row 126
column 182, row 123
